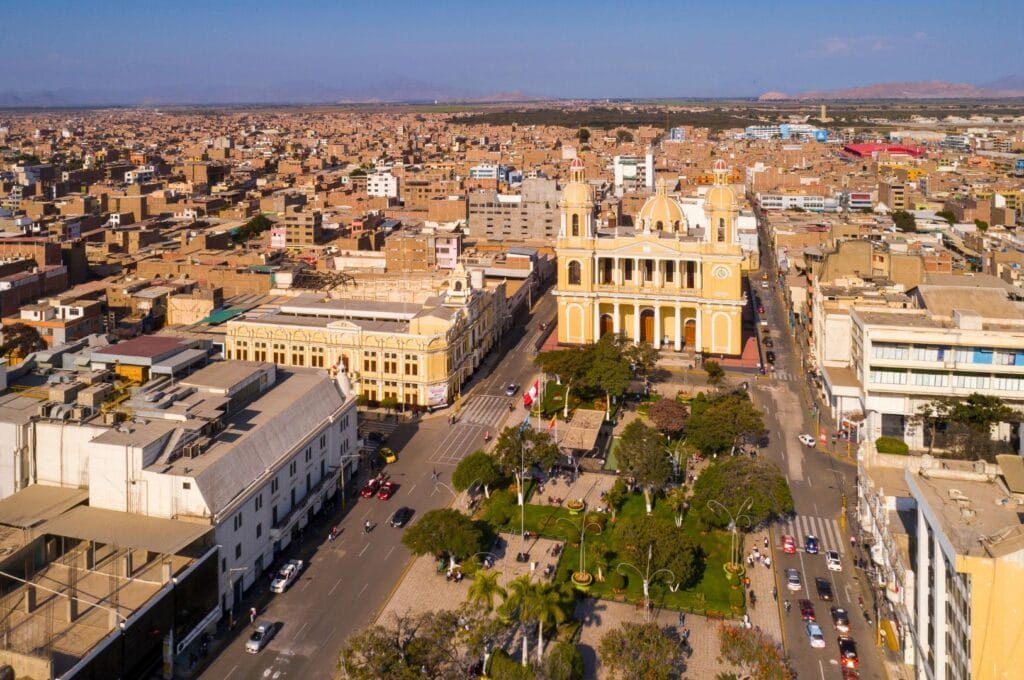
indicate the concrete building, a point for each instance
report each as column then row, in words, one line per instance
column 660, row 281
column 803, row 201
column 422, row 249
column 633, row 173
column 419, row 354
column 297, row 228
column 531, row 214
column 893, row 195
column 59, row 320
column 382, row 185
column 489, row 171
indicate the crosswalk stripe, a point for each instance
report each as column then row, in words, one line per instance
column 826, row 530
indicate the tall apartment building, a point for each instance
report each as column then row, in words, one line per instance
column 297, row 228
column 421, row 249
column 893, row 194
column 382, row 185
column 633, row 173
column 489, row 171
column 59, row 321
column 532, row 214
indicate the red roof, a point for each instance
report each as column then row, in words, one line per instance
column 865, row 150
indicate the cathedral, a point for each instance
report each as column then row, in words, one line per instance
column 660, row 281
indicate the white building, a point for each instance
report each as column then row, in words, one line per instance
column 382, row 184
column 808, row 202
column 633, row 173
column 140, row 175
column 252, row 451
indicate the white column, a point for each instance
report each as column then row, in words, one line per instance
column 616, row 271
column 939, row 573
column 636, row 319
column 698, row 331
column 921, row 588
column 659, row 276
column 637, row 278
column 616, row 319
column 679, row 328
column 597, row 319
column 657, row 326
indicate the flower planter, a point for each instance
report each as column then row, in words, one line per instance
column 582, row 580
column 733, row 570
column 575, row 507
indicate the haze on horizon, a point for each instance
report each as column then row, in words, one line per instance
column 194, row 51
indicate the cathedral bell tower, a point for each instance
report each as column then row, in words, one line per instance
column 721, row 208
column 577, row 206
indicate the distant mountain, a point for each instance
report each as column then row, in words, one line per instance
column 773, row 96
column 386, row 90
column 1012, row 86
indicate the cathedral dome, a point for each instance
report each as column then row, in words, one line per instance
column 576, row 193
column 661, row 212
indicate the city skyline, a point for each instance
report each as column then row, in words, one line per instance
column 260, row 52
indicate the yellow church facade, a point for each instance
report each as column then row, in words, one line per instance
column 659, row 281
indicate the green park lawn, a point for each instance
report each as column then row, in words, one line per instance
column 712, row 593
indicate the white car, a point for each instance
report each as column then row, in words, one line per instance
column 286, row 576
column 815, row 636
column 261, row 635
column 832, row 560
column 793, row 580
column 807, row 440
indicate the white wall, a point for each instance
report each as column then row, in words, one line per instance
column 62, row 452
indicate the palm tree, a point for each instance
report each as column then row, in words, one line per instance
column 548, row 606
column 484, row 589
column 518, row 605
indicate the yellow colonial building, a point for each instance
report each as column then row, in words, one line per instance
column 660, row 281
column 418, row 353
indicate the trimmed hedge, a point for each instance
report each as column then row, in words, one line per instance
column 892, row 445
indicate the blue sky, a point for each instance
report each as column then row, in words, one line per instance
column 562, row 48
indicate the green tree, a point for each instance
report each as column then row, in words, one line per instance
column 570, row 365
column 640, row 651
column 947, row 215
column 485, row 589
column 20, row 340
column 550, row 606
column 730, row 481
column 754, row 651
column 904, row 220
column 616, row 497
column 253, row 228
column 583, row 135
column 389, row 403
column 502, row 667
column 564, row 662
column 678, row 502
column 651, row 544
column 608, row 370
column 715, row 373
column 715, row 425
column 670, row 416
column 970, row 422
column 982, row 225
column 404, row 649
column 642, row 455
column 518, row 606
column 476, row 467
column 530, row 447
column 445, row 533
column 641, row 355
column 622, row 135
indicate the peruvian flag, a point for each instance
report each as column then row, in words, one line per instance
column 530, row 395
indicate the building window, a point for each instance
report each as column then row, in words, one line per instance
column 292, row 467
column 575, row 225
column 259, row 502
column 412, row 368
column 670, row 271
column 370, row 365
column 323, row 441
column 721, row 229
column 273, row 486
column 316, row 357
column 627, row 270
column 298, row 357
column 259, row 530
column 648, row 270
column 238, row 551
column 574, row 272
column 186, row 485
column 238, row 521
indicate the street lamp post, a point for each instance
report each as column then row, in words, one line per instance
column 647, row 577
column 582, row 531
column 349, row 456
column 734, row 520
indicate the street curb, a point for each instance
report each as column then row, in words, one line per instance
column 778, row 600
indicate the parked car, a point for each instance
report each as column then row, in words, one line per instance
column 768, row 342
column 770, row 356
column 261, row 635
column 793, row 580
column 824, row 588
column 376, row 437
column 788, row 545
column 511, row 389
column 764, row 284
column 848, row 653
column 815, row 636
column 370, row 488
column 811, row 544
column 387, row 490
column 832, row 560
column 807, row 440
column 807, row 610
column 400, row 517
column 286, row 575
column 841, row 620
column 760, row 309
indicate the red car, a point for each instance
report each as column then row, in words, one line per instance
column 789, row 545
column 807, row 610
column 387, row 490
column 370, row 488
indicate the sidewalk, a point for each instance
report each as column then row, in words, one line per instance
column 766, row 614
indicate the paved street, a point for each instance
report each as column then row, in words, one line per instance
column 349, row 579
column 818, row 482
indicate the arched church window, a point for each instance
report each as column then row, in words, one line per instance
column 721, row 229
column 575, row 225
column 659, row 225
column 575, row 275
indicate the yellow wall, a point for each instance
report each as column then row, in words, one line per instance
column 997, row 617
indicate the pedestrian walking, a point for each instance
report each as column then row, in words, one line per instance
column 766, row 543
column 767, row 562
column 433, row 475
column 252, row 615
column 853, row 541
